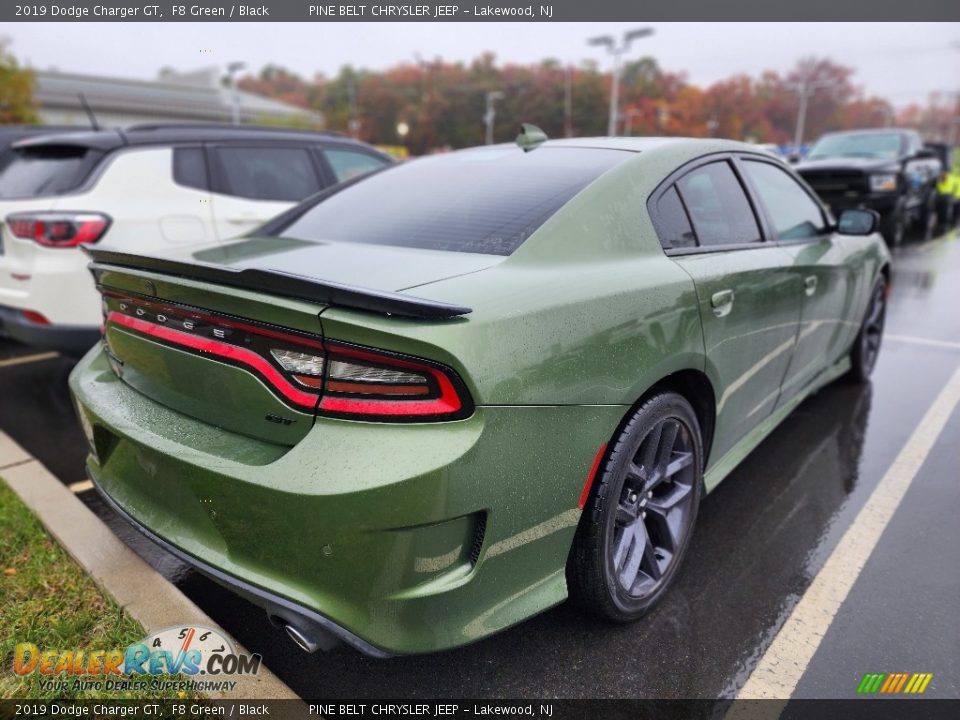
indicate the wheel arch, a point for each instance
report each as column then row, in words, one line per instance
column 695, row 387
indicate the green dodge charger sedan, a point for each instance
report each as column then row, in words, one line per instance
column 421, row 407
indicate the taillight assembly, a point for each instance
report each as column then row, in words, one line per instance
column 59, row 229
column 333, row 378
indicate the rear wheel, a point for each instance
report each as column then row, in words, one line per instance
column 639, row 518
column 866, row 348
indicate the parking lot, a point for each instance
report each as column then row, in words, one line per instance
column 761, row 539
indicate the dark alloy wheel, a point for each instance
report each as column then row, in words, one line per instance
column 640, row 516
column 866, row 347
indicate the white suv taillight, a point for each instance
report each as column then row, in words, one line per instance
column 59, row 229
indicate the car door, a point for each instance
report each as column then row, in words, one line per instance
column 821, row 260
column 749, row 298
column 254, row 182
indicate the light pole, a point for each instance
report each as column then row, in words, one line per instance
column 491, row 113
column 805, row 88
column 232, row 69
column 610, row 43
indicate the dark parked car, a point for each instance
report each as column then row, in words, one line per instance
column 887, row 170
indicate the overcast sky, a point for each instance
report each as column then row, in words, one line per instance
column 903, row 62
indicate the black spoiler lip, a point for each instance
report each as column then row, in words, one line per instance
column 276, row 282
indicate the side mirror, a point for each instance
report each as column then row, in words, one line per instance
column 924, row 154
column 858, row 221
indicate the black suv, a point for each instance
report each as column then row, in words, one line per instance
column 886, row 170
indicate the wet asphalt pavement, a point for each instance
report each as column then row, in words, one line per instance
column 761, row 537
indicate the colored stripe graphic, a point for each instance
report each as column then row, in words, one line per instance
column 894, row 683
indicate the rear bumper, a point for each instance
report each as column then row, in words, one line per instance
column 69, row 339
column 397, row 539
column 280, row 610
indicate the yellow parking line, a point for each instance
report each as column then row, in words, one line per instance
column 787, row 658
column 82, row 486
column 28, row 359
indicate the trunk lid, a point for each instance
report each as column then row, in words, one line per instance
column 204, row 350
column 214, row 332
column 377, row 267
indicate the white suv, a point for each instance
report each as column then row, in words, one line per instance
column 144, row 188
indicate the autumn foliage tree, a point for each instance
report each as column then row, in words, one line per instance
column 16, row 90
column 441, row 104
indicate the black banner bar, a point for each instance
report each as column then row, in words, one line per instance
column 319, row 11
column 893, row 708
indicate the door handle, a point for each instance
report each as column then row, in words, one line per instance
column 810, row 284
column 722, row 302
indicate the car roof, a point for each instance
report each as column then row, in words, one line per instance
column 630, row 144
column 168, row 134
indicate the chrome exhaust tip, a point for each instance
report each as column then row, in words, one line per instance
column 302, row 641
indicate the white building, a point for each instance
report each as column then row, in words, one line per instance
column 192, row 97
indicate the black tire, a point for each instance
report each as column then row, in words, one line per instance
column 608, row 573
column 893, row 226
column 927, row 222
column 866, row 346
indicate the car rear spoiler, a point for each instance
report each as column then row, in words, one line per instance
column 276, row 282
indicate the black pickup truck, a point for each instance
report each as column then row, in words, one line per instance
column 886, row 170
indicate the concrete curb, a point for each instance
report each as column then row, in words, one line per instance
column 138, row 588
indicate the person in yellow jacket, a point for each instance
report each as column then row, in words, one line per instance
column 948, row 196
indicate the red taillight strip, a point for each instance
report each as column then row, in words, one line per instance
column 221, row 320
column 591, row 476
column 228, row 352
column 447, row 404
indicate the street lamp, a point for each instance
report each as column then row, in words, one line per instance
column 402, row 129
column 232, row 69
column 805, row 88
column 617, row 51
column 491, row 113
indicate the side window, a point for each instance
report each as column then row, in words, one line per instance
column 190, row 168
column 268, row 173
column 795, row 215
column 718, row 206
column 347, row 164
column 672, row 223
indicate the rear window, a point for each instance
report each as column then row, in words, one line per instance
column 46, row 170
column 480, row 201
